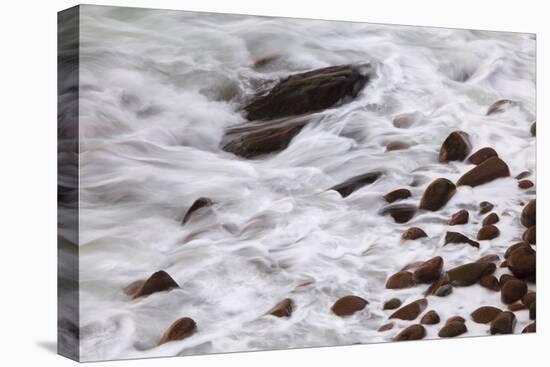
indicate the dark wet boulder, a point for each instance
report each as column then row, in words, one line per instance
column 197, row 205
column 522, row 262
column 530, row 235
column 392, row 304
column 400, row 280
column 516, row 306
column 525, row 184
column 413, row 233
column 348, row 305
column 468, row 274
column 398, row 194
column 504, row 278
column 158, row 282
column 437, row 194
column 401, row 213
column 413, row 332
column 355, row 183
column 452, row 329
column 396, row 145
column 489, row 170
column 490, row 282
column 485, row 207
column 512, row 291
column 523, row 175
column 386, row 327
column 500, row 106
column 529, row 214
column 282, row 309
column 514, row 247
column 429, row 271
column 456, row 237
column 181, row 329
column 488, row 232
column 430, row 318
column 456, row 147
column 482, row 155
column 308, row 92
column 256, row 140
column 460, row 217
column 485, row 314
column 490, row 219
column 410, row 311
column 504, row 323
column 531, row 328
column 444, row 290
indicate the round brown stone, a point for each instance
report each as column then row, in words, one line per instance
column 531, row 328
column 504, row 323
column 525, row 184
column 348, row 305
column 456, row 147
column 400, row 280
column 530, row 235
column 489, row 170
column 482, row 155
column 529, row 214
column 485, row 207
column 429, row 271
column 413, row 332
column 490, row 282
column 430, row 318
column 411, row 310
column 181, row 329
column 491, row 218
column 158, row 282
column 413, row 233
column 398, row 194
column 468, row 274
column 386, row 327
column 512, row 248
column 522, row 262
column 392, row 304
column 530, row 297
column 283, row 308
column 452, row 329
column 437, row 194
column 488, row 232
column 485, row 314
column 513, row 290
column 460, row 217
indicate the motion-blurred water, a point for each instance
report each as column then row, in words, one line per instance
column 157, row 91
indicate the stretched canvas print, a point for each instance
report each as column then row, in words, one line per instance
column 233, row 183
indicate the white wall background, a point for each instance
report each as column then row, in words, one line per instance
column 28, row 180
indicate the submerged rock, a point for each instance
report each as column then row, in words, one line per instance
column 489, row 170
column 257, row 140
column 413, row 332
column 348, row 305
column 386, row 327
column 500, row 106
column 398, row 194
column 401, row 213
column 456, row 237
column 392, row 304
column 355, row 183
column 411, row 310
column 396, row 145
column 504, row 323
column 485, row 314
column 400, row 280
column 485, row 207
column 482, row 155
column 181, row 329
column 456, row 147
column 525, row 184
column 460, row 217
column 529, row 214
column 430, row 318
column 471, row 273
column 158, row 282
column 308, row 92
column 488, row 232
column 413, row 233
column 282, row 309
column 197, row 204
column 437, row 194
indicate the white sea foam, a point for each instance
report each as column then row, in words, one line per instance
column 158, row 90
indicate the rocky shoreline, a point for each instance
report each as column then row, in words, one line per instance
column 279, row 115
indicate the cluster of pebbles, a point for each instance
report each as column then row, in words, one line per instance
column 275, row 124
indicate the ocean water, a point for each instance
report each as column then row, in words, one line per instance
column 158, row 89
